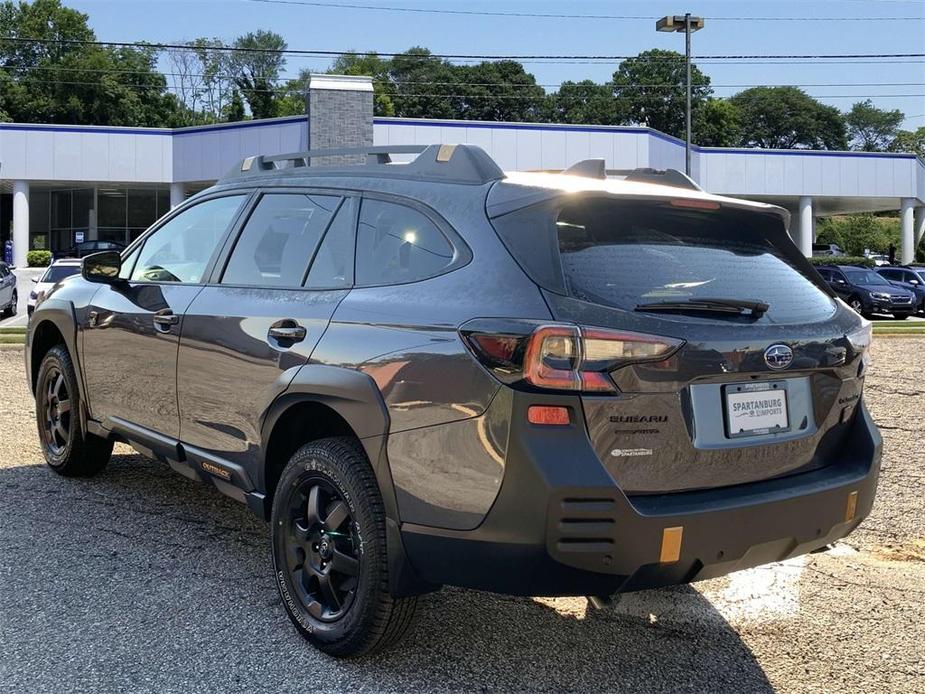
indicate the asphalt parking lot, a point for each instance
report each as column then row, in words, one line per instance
column 143, row 580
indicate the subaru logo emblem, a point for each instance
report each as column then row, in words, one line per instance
column 778, row 356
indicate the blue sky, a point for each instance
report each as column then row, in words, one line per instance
column 341, row 28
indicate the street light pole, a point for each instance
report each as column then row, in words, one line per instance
column 687, row 63
column 688, row 25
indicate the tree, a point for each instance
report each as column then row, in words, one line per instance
column 372, row 65
column 872, row 129
column 857, row 233
column 500, row 90
column 255, row 67
column 910, row 141
column 582, row 102
column 425, row 86
column 234, row 109
column 788, row 118
column 650, row 90
column 717, row 123
column 68, row 80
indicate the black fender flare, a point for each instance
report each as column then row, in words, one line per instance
column 63, row 316
column 354, row 396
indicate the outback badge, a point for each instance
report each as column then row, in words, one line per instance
column 778, row 356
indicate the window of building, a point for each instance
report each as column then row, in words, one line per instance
column 332, row 267
column 180, row 250
column 278, row 241
column 397, row 244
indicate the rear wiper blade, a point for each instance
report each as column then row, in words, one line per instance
column 736, row 306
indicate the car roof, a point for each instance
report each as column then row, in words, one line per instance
column 465, row 164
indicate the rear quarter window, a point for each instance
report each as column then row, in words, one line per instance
column 626, row 253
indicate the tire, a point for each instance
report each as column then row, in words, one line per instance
column 901, row 316
column 338, row 550
column 68, row 449
column 14, row 305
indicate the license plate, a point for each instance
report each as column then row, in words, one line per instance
column 753, row 409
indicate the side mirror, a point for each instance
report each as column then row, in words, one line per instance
column 102, row 267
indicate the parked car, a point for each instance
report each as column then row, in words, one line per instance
column 85, row 248
column 9, row 298
column 867, row 292
column 827, row 249
column 57, row 271
column 880, row 260
column 912, row 279
column 437, row 373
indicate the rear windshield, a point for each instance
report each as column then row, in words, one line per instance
column 624, row 254
column 56, row 273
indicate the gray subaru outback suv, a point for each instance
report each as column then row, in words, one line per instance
column 433, row 372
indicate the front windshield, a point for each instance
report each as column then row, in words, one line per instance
column 865, row 277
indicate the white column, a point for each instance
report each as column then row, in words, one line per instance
column 177, row 194
column 918, row 223
column 20, row 222
column 905, row 221
column 805, row 236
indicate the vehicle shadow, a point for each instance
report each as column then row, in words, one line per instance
column 163, row 577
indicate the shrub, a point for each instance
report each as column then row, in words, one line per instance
column 857, row 232
column 38, row 258
column 842, row 260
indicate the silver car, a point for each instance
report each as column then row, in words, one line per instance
column 57, row 271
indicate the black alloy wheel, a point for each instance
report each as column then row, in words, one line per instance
column 322, row 549
column 56, row 411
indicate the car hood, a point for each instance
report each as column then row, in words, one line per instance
column 885, row 289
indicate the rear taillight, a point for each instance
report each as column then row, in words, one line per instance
column 860, row 339
column 561, row 356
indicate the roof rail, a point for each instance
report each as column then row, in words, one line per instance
column 589, row 168
column 665, row 177
column 594, row 168
column 448, row 163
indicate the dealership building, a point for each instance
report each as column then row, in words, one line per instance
column 60, row 184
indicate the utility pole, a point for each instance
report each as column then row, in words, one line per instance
column 688, row 25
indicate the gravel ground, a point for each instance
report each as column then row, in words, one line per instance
column 143, row 580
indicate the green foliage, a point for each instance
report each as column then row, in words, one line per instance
column 234, row 111
column 860, row 261
column 857, row 232
column 910, row 141
column 717, row 123
column 650, row 90
column 256, row 68
column 65, row 82
column 371, row 65
column 582, row 102
column 788, row 118
column 424, row 86
column 872, row 129
column 38, row 258
column 501, row 91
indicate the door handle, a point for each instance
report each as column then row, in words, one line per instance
column 164, row 319
column 287, row 331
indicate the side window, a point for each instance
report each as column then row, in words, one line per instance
column 397, row 244
column 180, row 250
column 277, row 243
column 332, row 267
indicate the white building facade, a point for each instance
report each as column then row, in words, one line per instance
column 60, row 183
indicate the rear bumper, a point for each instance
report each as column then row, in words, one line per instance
column 561, row 526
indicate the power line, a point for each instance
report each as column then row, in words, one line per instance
column 448, row 56
column 287, row 90
column 555, row 15
column 654, row 85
